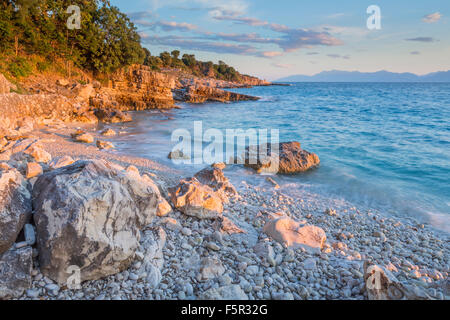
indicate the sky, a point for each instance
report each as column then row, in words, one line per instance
column 274, row 39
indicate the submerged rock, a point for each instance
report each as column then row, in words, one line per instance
column 89, row 215
column 85, row 138
column 283, row 158
column 112, row 116
column 289, row 232
column 15, row 206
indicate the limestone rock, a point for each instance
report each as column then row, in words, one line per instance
column 104, row 145
column 39, row 154
column 194, row 199
column 15, row 206
column 85, row 138
column 201, row 94
column 230, row 292
column 284, row 158
column 211, row 267
column 112, row 116
column 153, row 243
column 33, row 170
column 215, row 179
column 5, row 85
column 381, row 284
column 15, row 272
column 89, row 214
column 289, row 232
column 108, row 132
column 60, row 162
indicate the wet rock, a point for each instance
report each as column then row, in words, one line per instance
column 289, row 232
column 15, row 206
column 108, row 132
column 112, row 116
column 15, row 272
column 89, row 214
column 194, row 199
column 104, row 145
column 178, row 155
column 283, row 158
column 85, row 138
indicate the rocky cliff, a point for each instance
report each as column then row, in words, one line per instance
column 136, row 88
column 201, row 94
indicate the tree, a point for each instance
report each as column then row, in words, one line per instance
column 175, row 54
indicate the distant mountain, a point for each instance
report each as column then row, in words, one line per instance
column 380, row 76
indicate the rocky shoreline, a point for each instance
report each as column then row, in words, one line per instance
column 136, row 230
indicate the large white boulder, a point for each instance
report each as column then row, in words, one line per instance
column 89, row 215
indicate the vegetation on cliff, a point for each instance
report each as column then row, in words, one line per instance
column 188, row 63
column 107, row 40
column 35, row 38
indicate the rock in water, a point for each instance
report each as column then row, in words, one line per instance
column 194, row 199
column 15, row 272
column 15, row 206
column 89, row 215
column 289, row 232
column 284, row 158
column 231, row 292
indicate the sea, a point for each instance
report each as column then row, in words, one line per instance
column 384, row 146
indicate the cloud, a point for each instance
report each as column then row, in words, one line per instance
column 338, row 56
column 271, row 54
column 282, row 65
column 415, row 53
column 209, row 46
column 432, row 18
column 172, row 25
column 422, row 39
column 312, row 53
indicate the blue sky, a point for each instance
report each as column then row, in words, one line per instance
column 273, row 39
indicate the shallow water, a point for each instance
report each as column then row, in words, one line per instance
column 382, row 145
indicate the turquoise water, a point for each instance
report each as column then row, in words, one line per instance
column 383, row 145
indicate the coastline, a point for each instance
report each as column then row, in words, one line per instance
column 415, row 254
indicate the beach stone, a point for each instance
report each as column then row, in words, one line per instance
column 104, row 144
column 215, row 179
column 15, row 272
column 290, row 233
column 108, row 132
column 290, row 158
column 230, row 292
column 211, row 267
column 34, row 169
column 39, row 154
column 89, row 214
column 112, row 116
column 60, row 162
column 85, row 138
column 195, row 199
column 178, row 155
column 381, row 284
column 153, row 244
column 15, row 206
column 226, row 226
